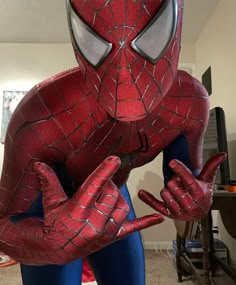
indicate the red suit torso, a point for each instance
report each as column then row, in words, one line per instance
column 63, row 123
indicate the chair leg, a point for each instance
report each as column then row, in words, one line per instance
column 179, row 243
column 205, row 247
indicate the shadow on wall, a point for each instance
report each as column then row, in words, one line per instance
column 151, row 182
column 160, row 235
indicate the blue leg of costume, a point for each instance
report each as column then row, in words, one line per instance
column 69, row 274
column 119, row 263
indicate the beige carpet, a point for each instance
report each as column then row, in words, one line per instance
column 159, row 270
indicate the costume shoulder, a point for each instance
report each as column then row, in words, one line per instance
column 49, row 98
column 189, row 100
column 187, row 106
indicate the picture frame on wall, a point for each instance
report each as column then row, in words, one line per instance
column 10, row 101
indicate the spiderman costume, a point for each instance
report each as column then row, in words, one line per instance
column 74, row 138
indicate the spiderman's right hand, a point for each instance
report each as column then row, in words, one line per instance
column 94, row 217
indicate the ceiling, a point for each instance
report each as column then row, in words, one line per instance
column 44, row 21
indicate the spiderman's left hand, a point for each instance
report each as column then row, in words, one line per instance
column 186, row 197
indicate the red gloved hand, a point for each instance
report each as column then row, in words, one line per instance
column 93, row 218
column 186, row 197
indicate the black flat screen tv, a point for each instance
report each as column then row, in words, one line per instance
column 215, row 140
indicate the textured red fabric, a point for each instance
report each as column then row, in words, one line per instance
column 185, row 197
column 94, row 217
column 99, row 127
column 87, row 275
column 120, row 93
column 80, row 225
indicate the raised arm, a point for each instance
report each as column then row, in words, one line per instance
column 187, row 194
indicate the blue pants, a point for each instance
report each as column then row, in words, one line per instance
column 121, row 263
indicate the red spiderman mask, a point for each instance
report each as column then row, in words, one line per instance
column 128, row 51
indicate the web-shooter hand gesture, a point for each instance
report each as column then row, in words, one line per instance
column 186, row 197
column 93, row 218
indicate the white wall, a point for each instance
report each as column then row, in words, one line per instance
column 216, row 47
column 24, row 65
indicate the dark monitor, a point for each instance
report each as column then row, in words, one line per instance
column 215, row 141
column 206, row 80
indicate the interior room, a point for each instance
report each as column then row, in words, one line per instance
column 35, row 45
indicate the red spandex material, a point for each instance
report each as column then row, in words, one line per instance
column 122, row 107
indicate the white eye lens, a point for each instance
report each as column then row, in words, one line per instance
column 93, row 48
column 156, row 37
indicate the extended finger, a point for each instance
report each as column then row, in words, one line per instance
column 209, row 170
column 138, row 224
column 154, row 203
column 92, row 187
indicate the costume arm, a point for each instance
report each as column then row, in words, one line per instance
column 187, row 194
column 93, row 218
column 69, row 227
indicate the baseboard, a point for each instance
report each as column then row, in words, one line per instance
column 154, row 245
